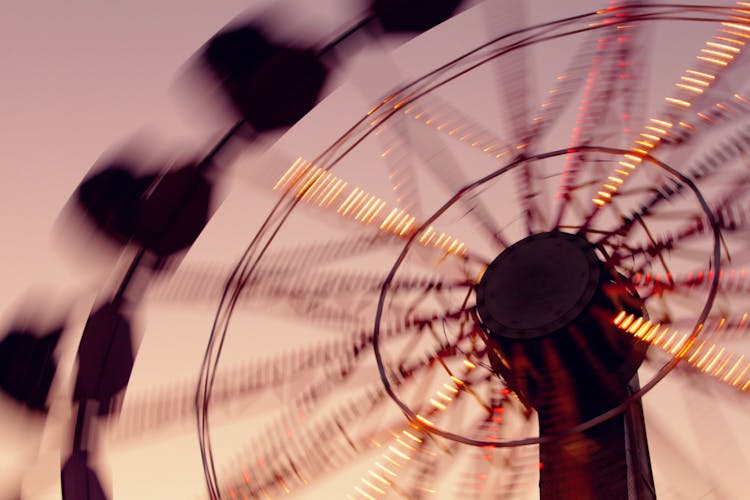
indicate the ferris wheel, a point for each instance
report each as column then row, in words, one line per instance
column 462, row 271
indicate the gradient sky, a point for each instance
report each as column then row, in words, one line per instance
column 76, row 78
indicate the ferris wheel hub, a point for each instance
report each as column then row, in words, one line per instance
column 538, row 285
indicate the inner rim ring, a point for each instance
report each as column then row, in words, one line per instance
column 660, row 374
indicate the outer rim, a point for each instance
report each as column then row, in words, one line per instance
column 333, row 154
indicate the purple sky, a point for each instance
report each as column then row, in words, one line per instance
column 77, row 77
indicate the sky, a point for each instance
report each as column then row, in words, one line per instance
column 79, row 77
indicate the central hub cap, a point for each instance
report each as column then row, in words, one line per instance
column 537, row 286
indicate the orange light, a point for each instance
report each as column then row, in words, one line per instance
column 634, row 158
column 669, row 341
column 731, row 371
column 407, row 227
column 323, row 183
column 385, row 469
column 336, row 188
column 736, row 381
column 620, row 316
column 350, row 200
column 425, row 421
column 712, row 60
column 427, row 236
column 405, row 445
column 722, row 46
column 650, row 136
column 678, row 102
column 291, row 172
column 700, row 363
column 451, row 388
column 323, row 188
column 398, row 216
column 730, row 40
column 737, row 26
column 411, row 436
column 364, row 493
column 627, row 322
column 691, row 88
column 686, row 125
column 649, row 337
column 694, row 81
column 374, row 488
column 710, row 366
column 437, row 404
column 379, row 477
column 718, row 54
column 678, row 346
column 708, row 361
column 696, row 352
column 444, row 397
column 399, row 452
column 634, row 326
column 345, row 203
column 643, row 331
column 388, row 219
column 304, row 191
column 365, row 208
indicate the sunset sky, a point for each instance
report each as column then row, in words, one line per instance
column 80, row 77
